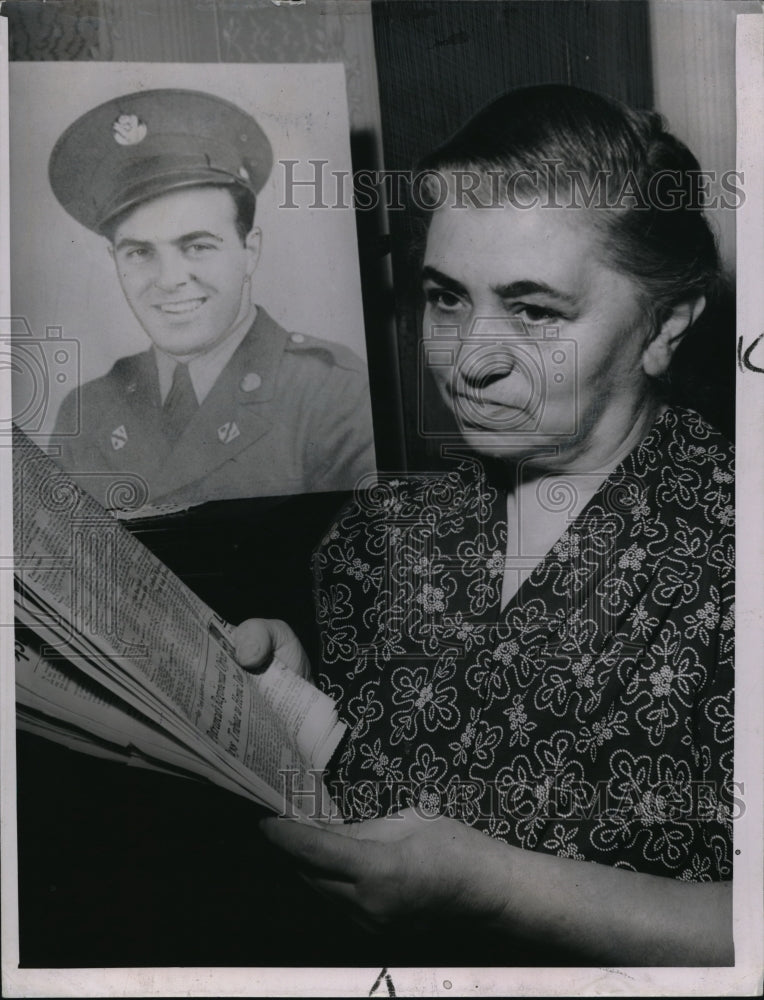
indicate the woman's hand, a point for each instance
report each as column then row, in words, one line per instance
column 402, row 868
column 258, row 640
column 411, row 870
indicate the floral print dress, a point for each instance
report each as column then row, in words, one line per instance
column 592, row 717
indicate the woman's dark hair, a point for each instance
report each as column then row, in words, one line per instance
column 597, row 153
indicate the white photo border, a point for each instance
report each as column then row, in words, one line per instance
column 745, row 978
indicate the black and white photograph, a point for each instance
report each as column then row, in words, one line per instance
column 232, row 391
column 374, row 372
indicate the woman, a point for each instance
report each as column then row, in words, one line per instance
column 537, row 646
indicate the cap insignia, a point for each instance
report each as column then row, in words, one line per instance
column 129, row 130
column 244, row 173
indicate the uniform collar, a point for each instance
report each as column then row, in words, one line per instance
column 205, row 369
column 231, row 419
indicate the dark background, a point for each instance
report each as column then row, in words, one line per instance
column 438, row 63
column 124, row 867
column 121, row 866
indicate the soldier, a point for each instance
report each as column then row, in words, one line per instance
column 225, row 403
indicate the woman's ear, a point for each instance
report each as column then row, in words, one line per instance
column 657, row 356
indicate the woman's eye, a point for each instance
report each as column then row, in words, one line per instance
column 534, row 314
column 443, row 300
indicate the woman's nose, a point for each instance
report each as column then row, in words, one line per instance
column 481, row 366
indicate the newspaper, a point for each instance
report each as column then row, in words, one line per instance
column 131, row 657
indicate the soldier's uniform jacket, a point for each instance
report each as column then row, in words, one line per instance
column 288, row 414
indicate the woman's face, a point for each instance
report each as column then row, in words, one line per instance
column 535, row 344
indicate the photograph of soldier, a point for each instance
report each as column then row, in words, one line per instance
column 225, row 403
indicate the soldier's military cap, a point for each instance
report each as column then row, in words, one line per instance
column 141, row 145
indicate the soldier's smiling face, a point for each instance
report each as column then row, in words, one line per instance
column 185, row 269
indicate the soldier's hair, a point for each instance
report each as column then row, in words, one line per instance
column 243, row 199
column 669, row 251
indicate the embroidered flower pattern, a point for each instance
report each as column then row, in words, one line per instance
column 563, row 843
column 520, row 727
column 426, row 702
column 358, row 569
column 632, row 558
column 505, row 651
column 495, row 564
column 380, row 763
column 431, row 598
column 661, row 681
column 568, row 547
column 584, row 672
column 578, row 721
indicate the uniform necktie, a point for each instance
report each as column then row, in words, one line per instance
column 181, row 403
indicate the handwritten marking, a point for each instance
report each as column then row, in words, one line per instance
column 618, row 972
column 385, row 977
column 744, row 356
